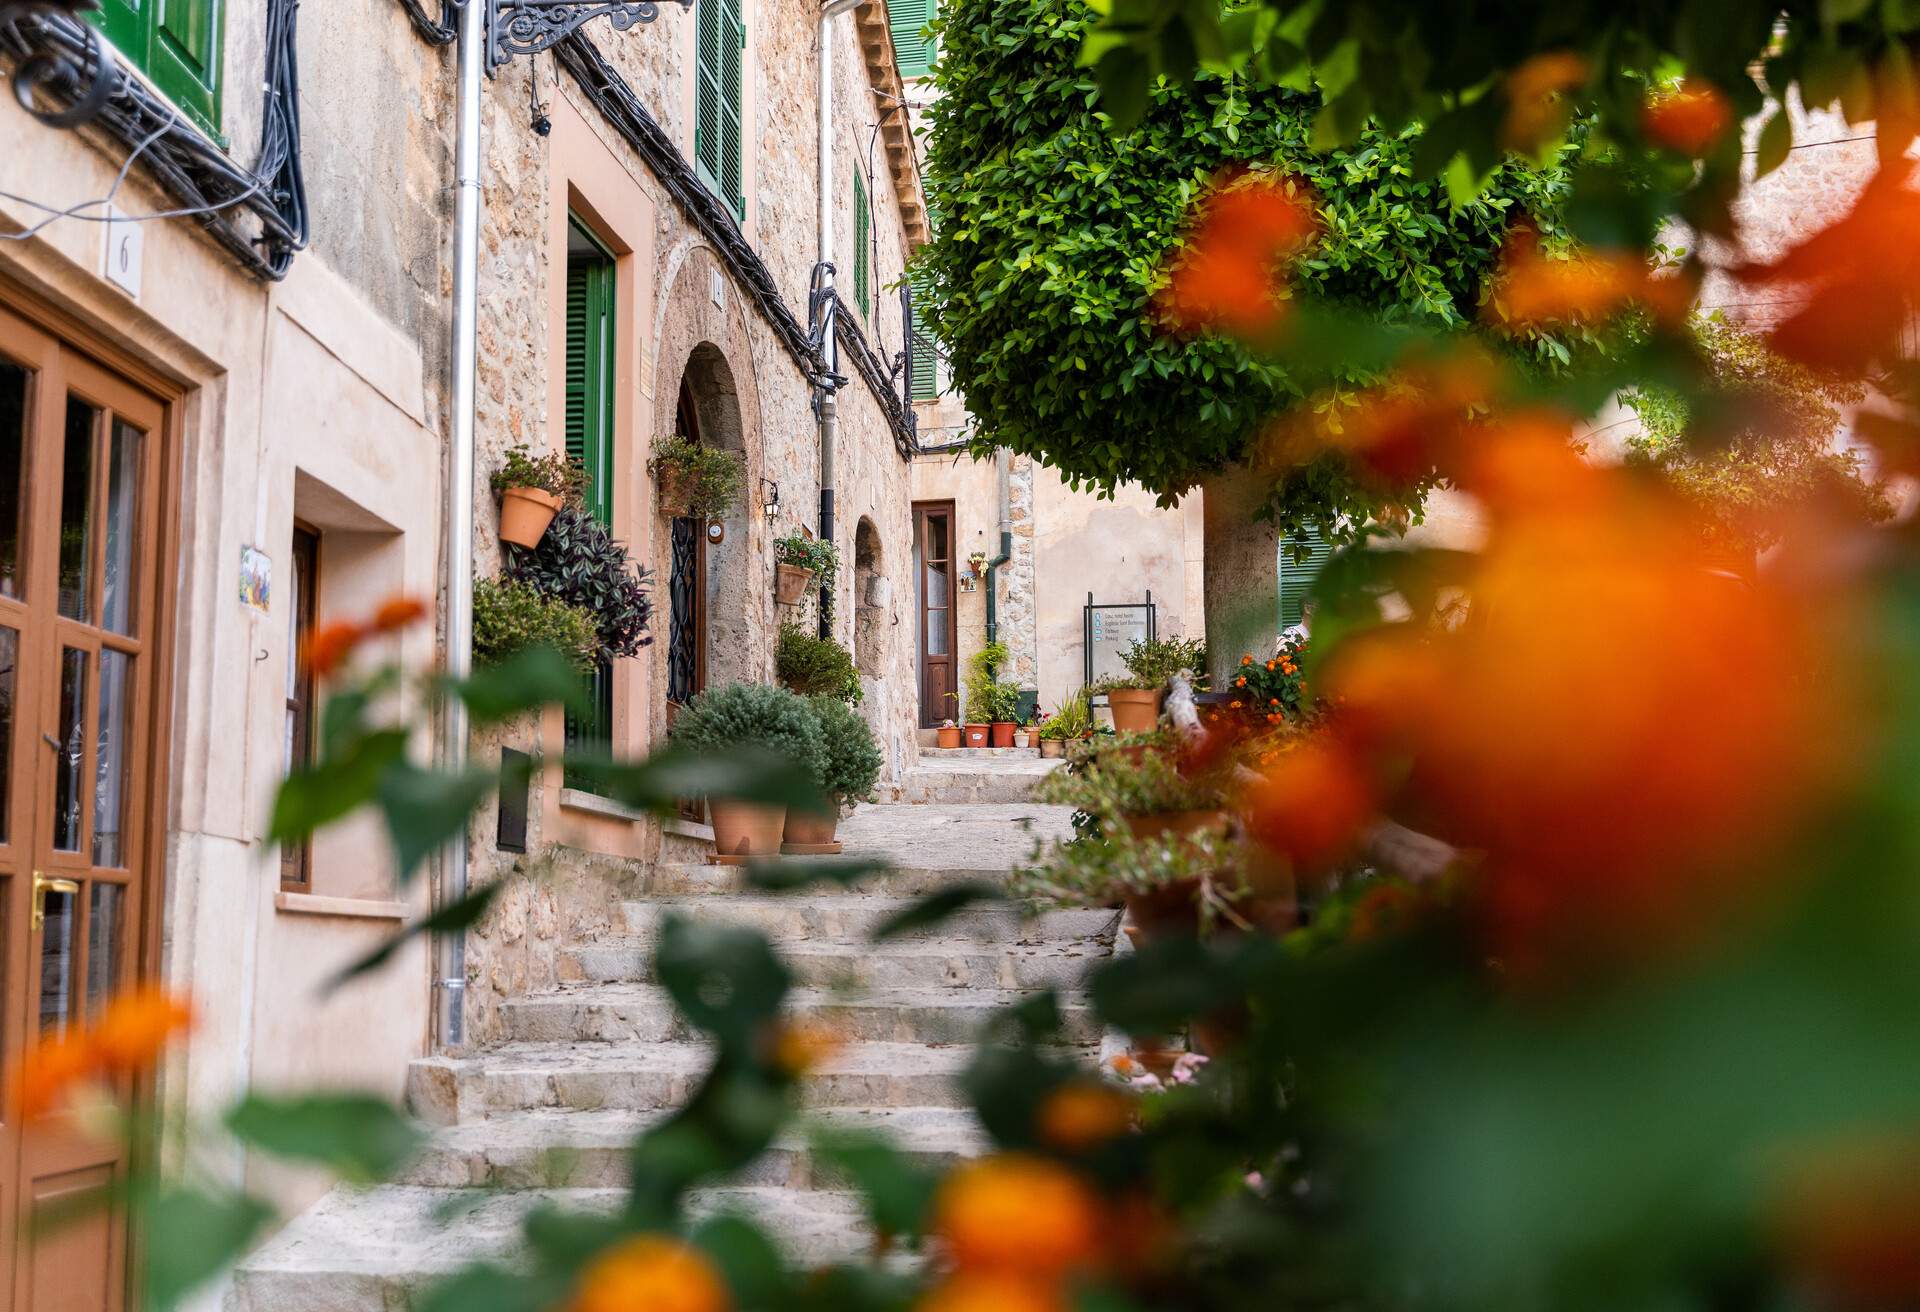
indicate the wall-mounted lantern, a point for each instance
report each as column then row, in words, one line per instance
column 769, row 499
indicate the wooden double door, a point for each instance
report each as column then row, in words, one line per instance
column 80, row 581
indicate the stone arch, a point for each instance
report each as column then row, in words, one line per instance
column 871, row 609
column 707, row 409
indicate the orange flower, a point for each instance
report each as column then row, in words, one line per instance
column 800, row 1046
column 1081, row 1115
column 1269, row 665
column 1018, row 1215
column 1246, row 660
column 135, row 1028
column 651, row 1273
column 1225, row 277
column 1311, row 805
column 991, row 1291
column 327, row 647
column 397, row 613
column 1124, row 1064
column 1534, row 289
column 53, row 1068
column 1240, row 682
column 1690, row 121
column 1537, row 103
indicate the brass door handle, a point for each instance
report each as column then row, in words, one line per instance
column 43, row 886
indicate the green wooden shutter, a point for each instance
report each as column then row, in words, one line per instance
column 926, row 362
column 912, row 50
column 589, row 383
column 1296, row 579
column 719, row 37
column 177, row 43
column 862, row 249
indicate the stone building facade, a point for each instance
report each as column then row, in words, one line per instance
column 279, row 360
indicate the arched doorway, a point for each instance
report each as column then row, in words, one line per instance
column 871, row 600
column 706, row 580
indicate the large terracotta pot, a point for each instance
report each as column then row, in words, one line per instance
column 790, row 584
column 1135, row 710
column 810, row 833
column 747, row 828
column 525, row 513
column 1166, row 912
column 1052, row 749
column 1003, row 733
column 676, row 490
column 979, row 734
column 948, row 735
column 1158, row 824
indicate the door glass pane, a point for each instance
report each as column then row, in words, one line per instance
column 111, row 755
column 72, row 737
column 104, row 914
column 56, row 963
column 76, row 505
column 9, row 659
column 123, row 493
column 937, row 538
column 936, row 633
column 937, row 585
column 13, row 445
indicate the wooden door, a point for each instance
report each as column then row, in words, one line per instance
column 933, row 588
column 80, row 459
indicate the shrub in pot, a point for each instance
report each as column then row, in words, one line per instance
column 1171, row 884
column 814, row 666
column 849, row 764
column 702, row 482
column 751, row 714
column 511, row 616
column 1146, row 796
column 1003, row 702
column 797, row 562
column 1134, row 697
column 580, row 563
column 532, row 488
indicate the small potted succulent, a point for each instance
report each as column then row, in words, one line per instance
column 798, row 561
column 848, row 765
column 1134, row 697
column 947, row 735
column 1071, row 720
column 532, row 488
column 700, row 482
column 741, row 714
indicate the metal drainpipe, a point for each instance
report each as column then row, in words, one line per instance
column 451, row 1009
column 1003, row 470
column 830, row 345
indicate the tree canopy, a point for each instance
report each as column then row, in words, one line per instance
column 1054, row 229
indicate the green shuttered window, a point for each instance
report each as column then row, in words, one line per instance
column 177, row 44
column 862, row 249
column 912, row 50
column 720, row 37
column 1296, row 579
column 926, row 363
column 589, row 433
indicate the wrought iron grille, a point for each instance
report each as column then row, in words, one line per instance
column 683, row 637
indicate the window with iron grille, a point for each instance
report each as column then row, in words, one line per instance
column 720, row 37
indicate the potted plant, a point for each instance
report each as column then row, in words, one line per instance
column 989, row 702
column 976, row 734
column 701, row 482
column 1146, row 797
column 511, row 615
column 1170, row 884
column 757, row 714
column 1004, row 703
column 1071, row 720
column 947, row 735
column 1025, row 736
column 814, row 666
column 849, row 763
column 1134, row 697
column 798, row 560
column 532, row 488
column 1274, row 690
column 580, row 563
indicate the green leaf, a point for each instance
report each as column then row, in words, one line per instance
column 750, row 1261
column 525, row 682
column 1776, row 139
column 455, row 917
column 899, row 1193
column 492, row 1289
column 337, row 785
column 724, row 978
column 1843, row 11
column 925, row 912
column 190, row 1236
column 427, row 809
column 359, row 1137
column 1123, row 75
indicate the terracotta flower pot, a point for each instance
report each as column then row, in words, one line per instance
column 810, row 833
column 1135, row 710
column 978, row 734
column 1052, row 749
column 1003, row 733
column 790, row 584
column 1023, row 739
column 525, row 513
column 676, row 492
column 747, row 828
column 1180, row 824
column 948, row 735
column 1165, row 912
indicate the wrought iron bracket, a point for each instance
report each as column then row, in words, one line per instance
column 85, row 79
column 526, row 27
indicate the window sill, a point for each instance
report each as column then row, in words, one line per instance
column 348, row 908
column 575, row 799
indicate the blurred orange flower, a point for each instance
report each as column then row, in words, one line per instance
column 1311, row 804
column 1083, row 1115
column 1850, row 1222
column 799, row 1046
column 1019, row 1215
column 1688, row 121
column 993, row 1291
column 327, row 647
column 654, row 1273
column 1224, row 276
column 127, row 1039
column 1537, row 104
column 1536, row 289
column 397, row 613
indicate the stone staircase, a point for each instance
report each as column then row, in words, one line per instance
column 547, row 1115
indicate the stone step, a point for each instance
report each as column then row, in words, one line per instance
column 627, row 1013
column 691, row 879
column 852, row 917
column 377, row 1250
column 592, row 1150
column 970, row 781
column 902, row 964
column 938, row 754
column 637, row 1076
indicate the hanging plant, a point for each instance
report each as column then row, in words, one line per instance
column 580, row 563
column 703, row 482
column 532, row 488
column 800, row 560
